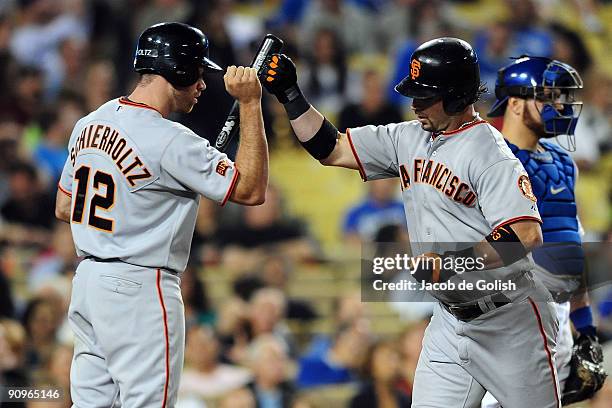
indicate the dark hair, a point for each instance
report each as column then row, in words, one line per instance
column 339, row 63
column 29, row 311
column 366, row 369
column 245, row 286
column 582, row 60
column 24, row 168
column 198, row 298
column 27, row 71
column 47, row 118
column 482, row 90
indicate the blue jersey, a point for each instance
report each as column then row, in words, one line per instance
column 553, row 175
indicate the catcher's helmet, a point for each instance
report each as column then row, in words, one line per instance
column 175, row 51
column 446, row 68
column 550, row 81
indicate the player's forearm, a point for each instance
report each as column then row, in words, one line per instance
column 252, row 156
column 523, row 237
column 317, row 135
column 306, row 125
column 62, row 206
column 579, row 300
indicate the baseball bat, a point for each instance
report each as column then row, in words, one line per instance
column 270, row 45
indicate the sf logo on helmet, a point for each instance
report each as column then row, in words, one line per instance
column 415, row 69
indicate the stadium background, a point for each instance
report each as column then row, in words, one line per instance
column 272, row 293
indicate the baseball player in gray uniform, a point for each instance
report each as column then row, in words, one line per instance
column 130, row 190
column 460, row 184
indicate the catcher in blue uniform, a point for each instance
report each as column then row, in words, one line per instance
column 537, row 98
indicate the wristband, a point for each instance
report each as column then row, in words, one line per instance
column 296, row 104
column 507, row 245
column 323, row 142
column 583, row 320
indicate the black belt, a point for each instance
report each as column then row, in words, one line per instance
column 107, row 260
column 95, row 258
column 471, row 312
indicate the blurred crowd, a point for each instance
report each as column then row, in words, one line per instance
column 258, row 341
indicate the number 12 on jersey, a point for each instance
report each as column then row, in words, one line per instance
column 104, row 199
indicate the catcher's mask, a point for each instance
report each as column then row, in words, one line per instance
column 551, row 82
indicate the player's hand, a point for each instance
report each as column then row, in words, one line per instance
column 432, row 268
column 279, row 77
column 587, row 374
column 242, row 83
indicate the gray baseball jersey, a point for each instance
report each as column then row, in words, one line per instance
column 456, row 187
column 135, row 180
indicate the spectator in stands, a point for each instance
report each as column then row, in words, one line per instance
column 529, row 37
column 269, row 362
column 13, row 372
column 350, row 24
column 493, row 46
column 348, row 310
column 395, row 24
column 51, row 153
column 372, row 109
column 570, row 48
column 204, row 375
column 198, row 309
column 71, row 69
column 242, row 398
column 59, row 258
column 275, row 272
column 204, row 245
column 58, row 374
column 232, row 329
column 324, row 72
column 7, row 62
column 594, row 128
column 338, row 364
column 428, row 20
column 266, row 228
column 160, row 10
column 29, row 211
column 44, row 25
column 40, row 321
column 7, row 307
column 23, row 95
column 208, row 115
column 410, row 348
column 267, row 309
column 380, row 207
column 382, row 372
column 10, row 132
column 101, row 82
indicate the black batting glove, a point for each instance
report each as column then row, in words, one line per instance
column 279, row 77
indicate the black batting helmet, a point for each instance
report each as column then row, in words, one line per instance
column 175, row 51
column 446, row 68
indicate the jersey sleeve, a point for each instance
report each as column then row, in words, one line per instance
column 197, row 166
column 505, row 194
column 65, row 181
column 375, row 149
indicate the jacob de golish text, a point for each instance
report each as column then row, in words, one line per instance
column 458, row 265
column 482, row 284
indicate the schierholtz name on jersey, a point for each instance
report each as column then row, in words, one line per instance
column 108, row 140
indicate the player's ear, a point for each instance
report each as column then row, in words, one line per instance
column 516, row 105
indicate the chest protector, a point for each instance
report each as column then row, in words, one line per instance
column 553, row 175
